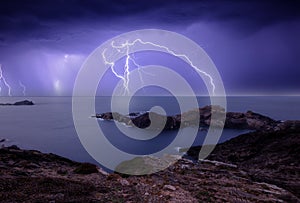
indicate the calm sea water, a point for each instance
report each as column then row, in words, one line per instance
column 48, row 125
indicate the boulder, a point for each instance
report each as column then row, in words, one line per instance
column 86, row 168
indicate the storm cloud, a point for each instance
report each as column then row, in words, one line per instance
column 19, row 17
column 248, row 40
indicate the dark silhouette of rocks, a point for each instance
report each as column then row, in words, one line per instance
column 249, row 120
column 25, row 102
column 235, row 120
column 19, row 103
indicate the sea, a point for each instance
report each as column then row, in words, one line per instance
column 48, row 125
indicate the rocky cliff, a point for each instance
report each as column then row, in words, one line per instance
column 271, row 157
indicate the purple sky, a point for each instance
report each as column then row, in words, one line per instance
column 254, row 44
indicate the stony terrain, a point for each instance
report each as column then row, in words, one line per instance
column 31, row 176
column 271, row 157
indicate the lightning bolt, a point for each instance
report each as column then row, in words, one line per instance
column 23, row 87
column 2, row 78
column 112, row 65
column 139, row 68
column 125, row 48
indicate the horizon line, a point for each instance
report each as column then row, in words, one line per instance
column 204, row 95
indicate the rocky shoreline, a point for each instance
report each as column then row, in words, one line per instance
column 32, row 176
column 260, row 166
column 271, row 157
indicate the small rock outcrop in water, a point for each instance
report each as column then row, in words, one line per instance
column 235, row 120
column 19, row 103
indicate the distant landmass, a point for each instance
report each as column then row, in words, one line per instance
column 19, row 103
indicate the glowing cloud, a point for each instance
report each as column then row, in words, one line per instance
column 57, row 86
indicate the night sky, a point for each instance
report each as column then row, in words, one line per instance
column 254, row 44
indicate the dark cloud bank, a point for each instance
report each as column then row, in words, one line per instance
column 255, row 44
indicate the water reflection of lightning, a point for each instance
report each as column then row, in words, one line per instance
column 125, row 48
column 2, row 78
column 23, row 87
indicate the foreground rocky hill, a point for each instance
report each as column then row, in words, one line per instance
column 249, row 175
column 31, row 176
column 271, row 157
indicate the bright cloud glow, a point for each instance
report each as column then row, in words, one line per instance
column 57, row 86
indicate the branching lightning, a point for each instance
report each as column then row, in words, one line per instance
column 2, row 78
column 23, row 88
column 125, row 48
column 139, row 68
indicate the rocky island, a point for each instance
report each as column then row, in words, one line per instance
column 19, row 103
column 234, row 120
